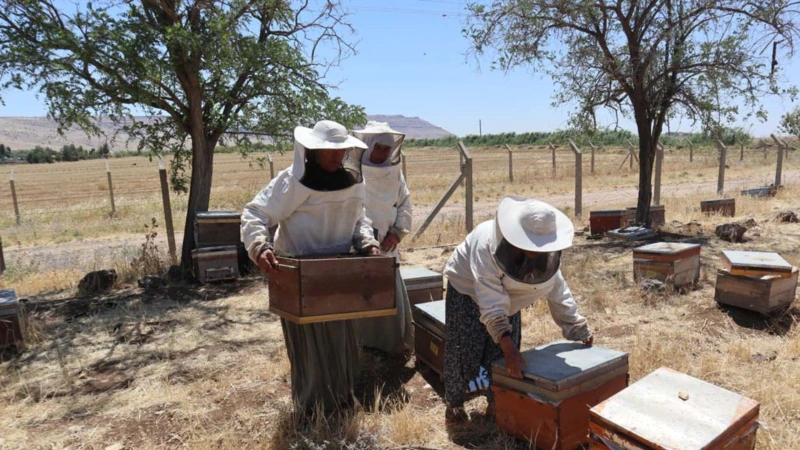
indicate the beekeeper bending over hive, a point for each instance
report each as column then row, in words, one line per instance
column 389, row 208
column 503, row 266
column 318, row 206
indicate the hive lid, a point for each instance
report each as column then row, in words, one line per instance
column 416, row 273
column 717, row 201
column 669, row 409
column 218, row 215
column 563, row 364
column 755, row 260
column 666, row 248
column 432, row 311
column 8, row 300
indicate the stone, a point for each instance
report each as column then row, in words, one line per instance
column 787, row 217
column 151, row 282
column 731, row 232
column 94, row 282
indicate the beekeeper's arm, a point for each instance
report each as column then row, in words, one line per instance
column 272, row 205
column 564, row 310
column 402, row 224
column 364, row 236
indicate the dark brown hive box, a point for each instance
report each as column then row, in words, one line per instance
column 602, row 221
column 723, row 207
column 11, row 330
column 429, row 334
column 217, row 228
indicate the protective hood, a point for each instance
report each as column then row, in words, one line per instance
column 381, row 133
column 517, row 265
column 326, row 135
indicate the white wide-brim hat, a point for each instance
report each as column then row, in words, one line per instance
column 534, row 225
column 326, row 135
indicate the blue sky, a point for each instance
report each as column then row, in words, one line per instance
column 411, row 61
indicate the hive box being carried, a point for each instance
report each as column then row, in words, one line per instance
column 549, row 406
column 217, row 228
column 423, row 285
column 671, row 410
column 724, row 207
column 670, row 262
column 601, row 222
column 11, row 334
column 337, row 287
column 216, row 263
column 758, row 281
column 429, row 334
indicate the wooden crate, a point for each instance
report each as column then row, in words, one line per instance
column 670, row 262
column 764, row 192
column 723, row 207
column 657, row 215
column 423, row 285
column 755, row 264
column 549, row 407
column 602, row 221
column 765, row 294
column 216, row 263
column 11, row 328
column 335, row 287
column 671, row 410
column 429, row 334
column 217, row 228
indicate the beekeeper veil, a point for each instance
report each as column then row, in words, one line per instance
column 529, row 238
column 380, row 133
column 325, row 136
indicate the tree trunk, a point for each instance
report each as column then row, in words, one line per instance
column 646, row 160
column 199, row 195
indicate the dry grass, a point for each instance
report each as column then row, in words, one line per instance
column 206, row 367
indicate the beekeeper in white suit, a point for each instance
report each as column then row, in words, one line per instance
column 318, row 207
column 389, row 208
column 503, row 266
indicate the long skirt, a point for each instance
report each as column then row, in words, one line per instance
column 391, row 334
column 470, row 350
column 324, row 359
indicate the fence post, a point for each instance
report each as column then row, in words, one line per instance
column 779, row 165
column 467, row 171
column 2, row 257
column 741, row 150
column 691, row 149
column 593, row 149
column 659, row 162
column 461, row 164
column 162, row 174
column 510, row 164
column 553, row 150
column 403, row 161
column 271, row 167
column 723, row 152
column 578, row 179
column 14, row 195
column 111, row 190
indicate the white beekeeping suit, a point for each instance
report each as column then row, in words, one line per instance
column 388, row 207
column 316, row 212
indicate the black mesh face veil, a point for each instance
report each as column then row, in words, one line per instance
column 520, row 267
column 316, row 178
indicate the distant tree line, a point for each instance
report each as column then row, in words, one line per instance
column 618, row 138
column 46, row 155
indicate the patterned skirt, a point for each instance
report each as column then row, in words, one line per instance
column 470, row 350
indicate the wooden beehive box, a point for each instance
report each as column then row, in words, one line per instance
column 217, row 228
column 657, row 215
column 671, row 410
column 216, row 263
column 670, row 262
column 602, row 221
column 336, row 287
column 11, row 329
column 423, row 285
column 764, row 192
column 429, row 334
column 755, row 264
column 549, row 407
column 723, row 207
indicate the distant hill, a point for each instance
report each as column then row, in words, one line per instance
column 22, row 133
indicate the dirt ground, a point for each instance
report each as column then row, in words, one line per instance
column 205, row 367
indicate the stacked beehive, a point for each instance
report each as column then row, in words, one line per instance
column 219, row 249
column 429, row 334
column 423, row 285
column 759, row 281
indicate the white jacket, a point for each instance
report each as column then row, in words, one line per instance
column 388, row 203
column 472, row 271
column 309, row 222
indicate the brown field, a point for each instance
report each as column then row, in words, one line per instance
column 189, row 367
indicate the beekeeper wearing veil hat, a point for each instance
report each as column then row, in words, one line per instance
column 389, row 208
column 318, row 207
column 503, row 266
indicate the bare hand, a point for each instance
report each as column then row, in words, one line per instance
column 372, row 250
column 589, row 341
column 390, row 242
column 267, row 262
column 515, row 364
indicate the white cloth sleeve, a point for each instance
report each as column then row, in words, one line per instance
column 564, row 310
column 493, row 301
column 402, row 224
column 364, row 236
column 273, row 204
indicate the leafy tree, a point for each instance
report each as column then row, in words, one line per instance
column 42, row 155
column 71, row 153
column 790, row 122
column 198, row 68
column 4, row 152
column 104, row 150
column 647, row 59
